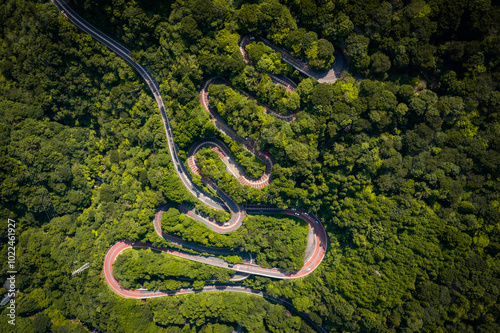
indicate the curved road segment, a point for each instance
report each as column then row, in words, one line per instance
column 319, row 242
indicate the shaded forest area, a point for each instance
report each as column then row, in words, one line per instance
column 402, row 167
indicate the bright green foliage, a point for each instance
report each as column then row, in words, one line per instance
column 264, row 58
column 252, row 165
column 175, row 223
column 210, row 164
column 229, row 103
column 277, row 242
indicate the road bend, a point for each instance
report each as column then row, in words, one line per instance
column 326, row 76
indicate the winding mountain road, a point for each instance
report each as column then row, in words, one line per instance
column 316, row 247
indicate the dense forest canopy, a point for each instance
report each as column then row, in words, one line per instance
column 400, row 159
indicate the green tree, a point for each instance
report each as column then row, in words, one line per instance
column 42, row 323
column 357, row 48
column 380, row 64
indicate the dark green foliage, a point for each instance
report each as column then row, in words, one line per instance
column 41, row 323
column 401, row 167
